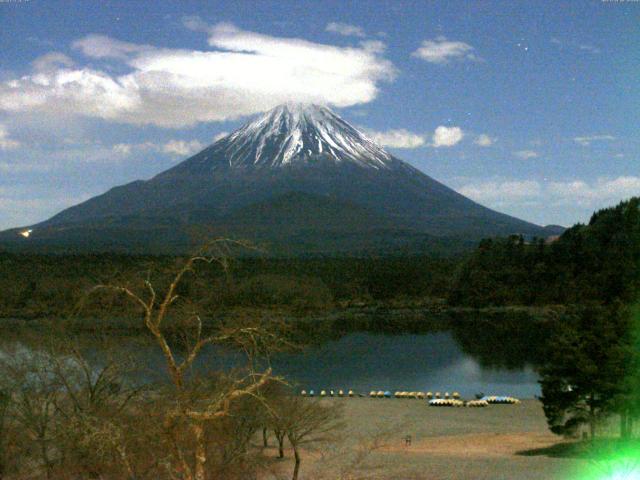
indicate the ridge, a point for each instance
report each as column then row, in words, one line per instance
column 293, row 134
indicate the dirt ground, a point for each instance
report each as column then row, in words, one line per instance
column 496, row 442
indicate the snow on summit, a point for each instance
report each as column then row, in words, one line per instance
column 300, row 133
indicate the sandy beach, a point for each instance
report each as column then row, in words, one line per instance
column 496, row 442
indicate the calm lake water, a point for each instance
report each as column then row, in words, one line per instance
column 425, row 362
column 435, row 361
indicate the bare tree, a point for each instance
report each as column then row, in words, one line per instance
column 92, row 412
column 190, row 411
column 32, row 395
column 71, row 417
column 349, row 453
column 70, row 410
column 304, row 422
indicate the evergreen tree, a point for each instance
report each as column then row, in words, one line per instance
column 598, row 263
column 584, row 374
column 628, row 400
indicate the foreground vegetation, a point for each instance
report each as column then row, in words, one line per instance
column 64, row 416
column 67, row 417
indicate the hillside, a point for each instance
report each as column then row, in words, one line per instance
column 299, row 179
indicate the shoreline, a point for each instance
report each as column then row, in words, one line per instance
column 353, row 313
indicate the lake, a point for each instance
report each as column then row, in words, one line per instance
column 422, row 362
column 469, row 358
column 363, row 362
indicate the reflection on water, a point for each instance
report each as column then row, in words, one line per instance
column 444, row 361
column 426, row 362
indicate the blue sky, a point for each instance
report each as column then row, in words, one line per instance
column 531, row 108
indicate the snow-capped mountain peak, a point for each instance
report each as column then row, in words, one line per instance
column 300, row 133
column 296, row 175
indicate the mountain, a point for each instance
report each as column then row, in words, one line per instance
column 299, row 178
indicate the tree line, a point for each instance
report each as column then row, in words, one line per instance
column 37, row 286
column 596, row 263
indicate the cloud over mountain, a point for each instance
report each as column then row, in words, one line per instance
column 244, row 73
column 399, row 138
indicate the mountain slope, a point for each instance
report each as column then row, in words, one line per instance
column 299, row 169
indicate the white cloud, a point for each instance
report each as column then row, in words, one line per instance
column 101, row 46
column 589, row 48
column 51, row 61
column 599, row 190
column 85, row 92
column 244, row 73
column 74, row 156
column 595, row 194
column 171, row 147
column 195, row 23
column 503, row 191
column 6, row 142
column 219, row 136
column 400, row 138
column 181, row 147
column 526, row 154
column 21, row 167
column 446, row 136
column 122, row 149
column 440, row 50
column 586, row 141
column 345, row 29
column 374, row 46
column 484, row 140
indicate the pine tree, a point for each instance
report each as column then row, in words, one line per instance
column 584, row 374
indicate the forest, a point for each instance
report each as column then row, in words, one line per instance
column 596, row 263
column 37, row 286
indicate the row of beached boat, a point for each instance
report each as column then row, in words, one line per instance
column 331, row 393
column 436, row 399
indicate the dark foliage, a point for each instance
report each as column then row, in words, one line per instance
column 598, row 263
column 584, row 376
column 54, row 285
